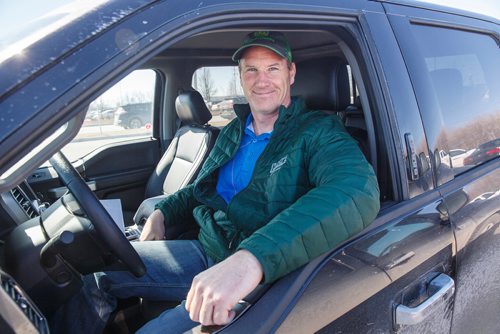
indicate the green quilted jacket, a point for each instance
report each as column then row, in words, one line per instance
column 311, row 189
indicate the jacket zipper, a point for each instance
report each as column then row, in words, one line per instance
column 233, row 239
column 237, row 232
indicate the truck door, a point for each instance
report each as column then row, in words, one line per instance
column 453, row 63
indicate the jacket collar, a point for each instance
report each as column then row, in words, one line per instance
column 296, row 106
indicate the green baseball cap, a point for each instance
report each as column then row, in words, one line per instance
column 273, row 40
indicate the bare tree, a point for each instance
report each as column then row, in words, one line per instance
column 100, row 104
column 232, row 87
column 471, row 135
column 205, row 84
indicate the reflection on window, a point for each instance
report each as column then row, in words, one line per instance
column 122, row 113
column 468, row 65
column 463, row 68
column 220, row 87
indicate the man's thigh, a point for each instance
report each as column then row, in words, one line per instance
column 170, row 268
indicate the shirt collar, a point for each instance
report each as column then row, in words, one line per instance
column 250, row 131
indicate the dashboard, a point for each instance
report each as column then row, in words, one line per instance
column 17, row 206
column 18, row 314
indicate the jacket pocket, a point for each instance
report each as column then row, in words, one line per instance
column 213, row 237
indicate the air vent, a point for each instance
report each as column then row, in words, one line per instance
column 25, row 305
column 24, row 202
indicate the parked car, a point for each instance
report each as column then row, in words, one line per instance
column 98, row 115
column 444, row 158
column 133, row 115
column 404, row 74
column 226, row 107
column 484, row 152
column 457, row 157
column 215, row 107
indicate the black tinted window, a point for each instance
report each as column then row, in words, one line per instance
column 464, row 70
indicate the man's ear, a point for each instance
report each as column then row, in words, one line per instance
column 292, row 73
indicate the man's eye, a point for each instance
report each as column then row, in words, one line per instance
column 251, row 70
column 274, row 68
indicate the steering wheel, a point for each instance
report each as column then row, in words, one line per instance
column 114, row 240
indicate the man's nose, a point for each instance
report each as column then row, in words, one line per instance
column 262, row 78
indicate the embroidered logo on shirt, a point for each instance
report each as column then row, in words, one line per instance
column 277, row 165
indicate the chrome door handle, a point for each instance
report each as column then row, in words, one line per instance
column 442, row 288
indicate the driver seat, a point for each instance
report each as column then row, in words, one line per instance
column 183, row 158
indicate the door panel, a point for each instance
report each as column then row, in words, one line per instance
column 476, row 218
column 359, row 288
column 122, row 171
column 116, row 171
column 452, row 61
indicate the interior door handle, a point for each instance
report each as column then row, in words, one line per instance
column 440, row 289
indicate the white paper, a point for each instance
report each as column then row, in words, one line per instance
column 114, row 208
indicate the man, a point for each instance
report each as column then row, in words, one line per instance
column 281, row 186
column 276, row 161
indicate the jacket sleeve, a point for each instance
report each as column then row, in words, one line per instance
column 343, row 200
column 178, row 207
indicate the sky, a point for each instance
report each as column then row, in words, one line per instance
column 486, row 7
column 138, row 84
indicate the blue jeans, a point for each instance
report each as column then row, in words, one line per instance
column 171, row 266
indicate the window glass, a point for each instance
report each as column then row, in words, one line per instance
column 122, row 113
column 220, row 87
column 464, row 71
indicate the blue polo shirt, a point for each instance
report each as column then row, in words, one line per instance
column 237, row 172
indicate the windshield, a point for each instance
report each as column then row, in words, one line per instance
column 24, row 22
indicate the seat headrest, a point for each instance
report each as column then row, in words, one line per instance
column 191, row 108
column 323, row 83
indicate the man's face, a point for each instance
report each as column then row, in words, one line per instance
column 266, row 79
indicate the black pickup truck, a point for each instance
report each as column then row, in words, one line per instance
column 417, row 85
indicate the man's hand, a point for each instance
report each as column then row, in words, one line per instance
column 215, row 291
column 154, row 229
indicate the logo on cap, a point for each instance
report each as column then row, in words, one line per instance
column 272, row 40
column 261, row 34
